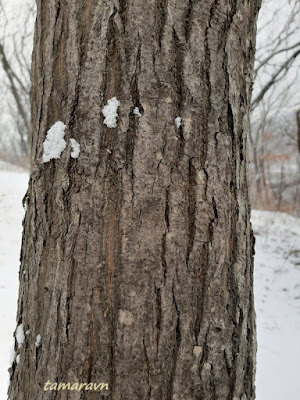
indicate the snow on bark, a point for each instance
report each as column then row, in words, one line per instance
column 54, row 143
column 38, row 341
column 136, row 111
column 20, row 337
column 75, row 148
column 110, row 112
column 178, row 122
column 12, row 355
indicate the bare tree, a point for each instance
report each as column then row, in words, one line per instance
column 275, row 100
column 15, row 62
column 275, row 57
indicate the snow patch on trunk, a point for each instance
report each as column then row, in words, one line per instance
column 136, row 111
column 178, row 122
column 12, row 355
column 110, row 112
column 75, row 148
column 54, row 143
column 38, row 341
column 20, row 337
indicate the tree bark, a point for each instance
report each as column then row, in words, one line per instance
column 137, row 257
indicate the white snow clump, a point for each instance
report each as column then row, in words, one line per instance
column 18, row 359
column 110, row 112
column 38, row 341
column 75, row 148
column 54, row 143
column 178, row 122
column 12, row 355
column 20, row 335
column 136, row 111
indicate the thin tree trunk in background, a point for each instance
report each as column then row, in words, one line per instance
column 298, row 129
column 137, row 257
column 22, row 112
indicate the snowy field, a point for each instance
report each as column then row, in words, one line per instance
column 277, row 298
column 277, row 289
column 13, row 186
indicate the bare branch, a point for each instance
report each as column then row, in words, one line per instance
column 275, row 53
column 274, row 78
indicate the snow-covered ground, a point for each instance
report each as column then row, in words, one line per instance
column 277, row 290
column 13, row 186
column 277, row 297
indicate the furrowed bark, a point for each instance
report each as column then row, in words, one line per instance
column 137, row 257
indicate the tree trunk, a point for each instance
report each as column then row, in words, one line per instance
column 137, row 257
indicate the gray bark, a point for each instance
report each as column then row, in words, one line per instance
column 137, row 262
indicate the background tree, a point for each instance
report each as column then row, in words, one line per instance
column 274, row 178
column 15, row 55
column 136, row 265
